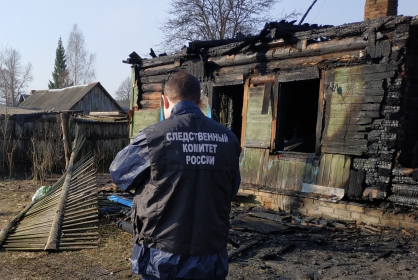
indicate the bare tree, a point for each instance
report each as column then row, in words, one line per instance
column 79, row 62
column 124, row 90
column 215, row 19
column 14, row 77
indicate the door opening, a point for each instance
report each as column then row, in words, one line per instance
column 227, row 104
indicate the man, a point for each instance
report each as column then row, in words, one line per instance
column 185, row 170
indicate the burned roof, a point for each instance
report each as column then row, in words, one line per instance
column 274, row 34
column 59, row 99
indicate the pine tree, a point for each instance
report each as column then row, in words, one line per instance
column 60, row 74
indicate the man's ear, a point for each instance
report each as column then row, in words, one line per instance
column 165, row 101
column 199, row 104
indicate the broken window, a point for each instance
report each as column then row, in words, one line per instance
column 297, row 116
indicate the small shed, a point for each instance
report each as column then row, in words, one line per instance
column 85, row 98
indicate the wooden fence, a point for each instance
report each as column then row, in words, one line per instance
column 37, row 137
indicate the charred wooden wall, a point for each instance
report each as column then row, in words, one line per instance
column 366, row 120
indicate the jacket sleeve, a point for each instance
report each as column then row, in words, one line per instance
column 131, row 164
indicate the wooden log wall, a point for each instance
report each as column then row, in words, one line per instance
column 363, row 102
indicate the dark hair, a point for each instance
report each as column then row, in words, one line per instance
column 182, row 86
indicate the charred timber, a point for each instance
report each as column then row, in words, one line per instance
column 161, row 70
column 152, row 95
column 291, row 52
column 353, row 28
column 150, row 104
column 162, row 60
column 405, row 190
column 152, row 87
column 404, row 200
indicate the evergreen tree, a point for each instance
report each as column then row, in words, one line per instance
column 60, row 74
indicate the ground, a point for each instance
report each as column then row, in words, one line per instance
column 284, row 247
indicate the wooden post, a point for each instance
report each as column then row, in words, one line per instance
column 65, row 137
column 53, row 239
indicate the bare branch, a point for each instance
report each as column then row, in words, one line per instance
column 80, row 63
column 124, row 90
column 191, row 20
column 14, row 78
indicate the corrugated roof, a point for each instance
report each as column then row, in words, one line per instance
column 57, row 99
column 6, row 110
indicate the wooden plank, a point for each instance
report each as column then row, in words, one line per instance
column 263, row 168
column 348, row 120
column 298, row 75
column 273, row 143
column 272, row 172
column 333, row 170
column 150, row 104
column 311, row 188
column 308, row 173
column 354, row 107
column 343, row 127
column 256, row 93
column 355, row 89
column 154, row 79
column 353, row 99
column 253, row 165
column 299, row 175
column 152, row 95
column 347, row 142
column 339, row 170
column 379, row 76
column 230, row 79
column 284, row 171
column 152, row 87
column 337, row 149
column 320, row 173
column 244, row 112
column 144, row 118
column 326, row 167
column 256, row 117
column 263, row 79
column 351, row 113
column 266, row 99
column 320, row 115
column 345, row 135
column 257, row 133
column 311, row 60
column 346, row 173
column 355, row 184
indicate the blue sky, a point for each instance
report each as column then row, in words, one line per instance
column 113, row 29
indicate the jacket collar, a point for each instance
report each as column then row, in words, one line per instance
column 185, row 107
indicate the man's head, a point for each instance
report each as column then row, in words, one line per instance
column 181, row 86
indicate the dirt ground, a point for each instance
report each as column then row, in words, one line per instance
column 283, row 247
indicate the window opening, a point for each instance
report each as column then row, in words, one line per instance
column 297, row 111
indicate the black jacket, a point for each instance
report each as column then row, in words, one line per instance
column 194, row 163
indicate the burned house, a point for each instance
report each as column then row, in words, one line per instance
column 326, row 110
